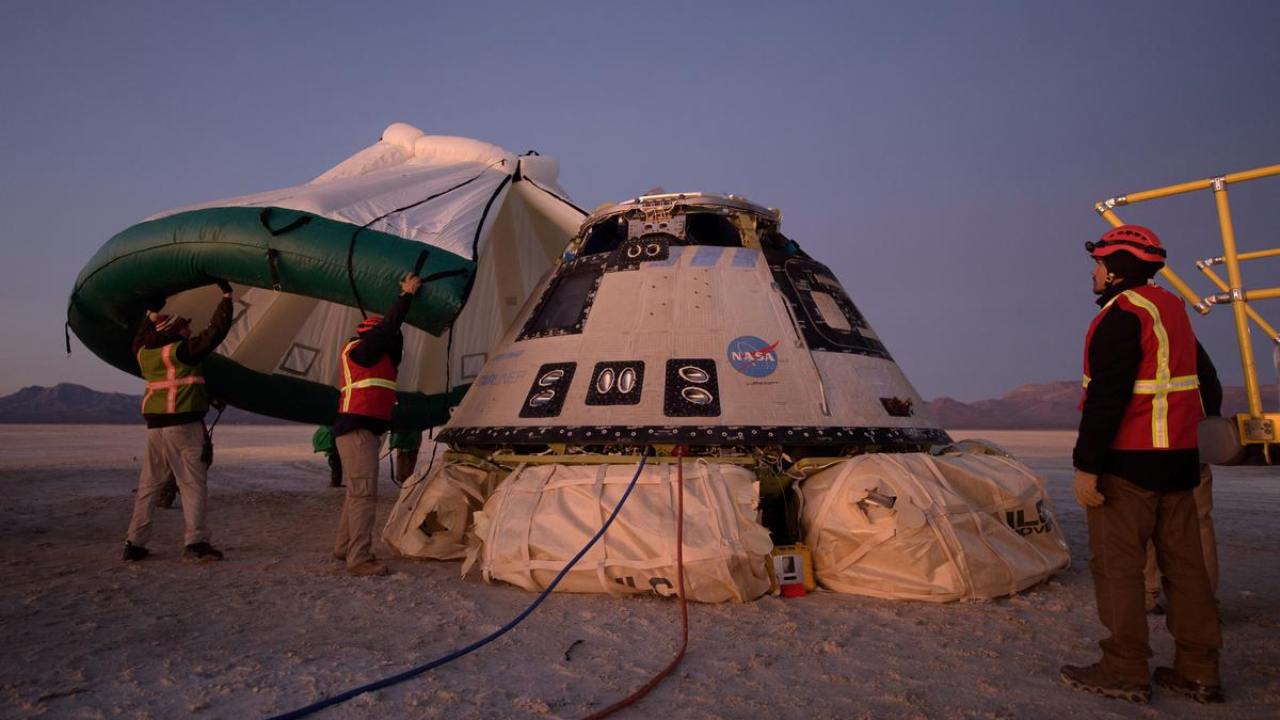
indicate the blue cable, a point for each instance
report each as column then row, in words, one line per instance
column 414, row 672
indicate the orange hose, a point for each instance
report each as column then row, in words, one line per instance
column 684, row 607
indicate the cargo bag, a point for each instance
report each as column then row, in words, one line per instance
column 433, row 513
column 542, row 515
column 913, row 526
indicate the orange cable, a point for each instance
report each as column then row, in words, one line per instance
column 684, row 607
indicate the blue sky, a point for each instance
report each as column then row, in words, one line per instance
column 942, row 158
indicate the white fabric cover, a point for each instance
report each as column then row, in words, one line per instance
column 538, row 519
column 527, row 227
column 431, row 517
column 963, row 526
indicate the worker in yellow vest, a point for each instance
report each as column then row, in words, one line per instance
column 170, row 359
column 370, row 363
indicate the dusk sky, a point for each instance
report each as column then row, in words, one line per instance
column 942, row 158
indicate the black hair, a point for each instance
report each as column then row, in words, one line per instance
column 1131, row 267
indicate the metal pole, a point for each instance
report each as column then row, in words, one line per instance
column 1256, row 254
column 1238, row 303
column 1265, row 294
column 1250, row 295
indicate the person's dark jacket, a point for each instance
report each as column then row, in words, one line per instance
column 1115, row 355
column 190, row 350
column 382, row 339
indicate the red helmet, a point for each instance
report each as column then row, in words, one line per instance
column 1133, row 239
column 368, row 324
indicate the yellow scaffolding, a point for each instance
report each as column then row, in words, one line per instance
column 1255, row 426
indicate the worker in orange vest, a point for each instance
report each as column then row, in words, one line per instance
column 1137, row 463
column 171, row 361
column 370, row 363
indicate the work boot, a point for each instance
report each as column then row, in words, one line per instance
column 369, row 568
column 202, row 551
column 1094, row 679
column 1169, row 679
column 134, row 553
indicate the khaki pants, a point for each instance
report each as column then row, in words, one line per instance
column 1119, row 531
column 1203, row 494
column 358, row 450
column 175, row 449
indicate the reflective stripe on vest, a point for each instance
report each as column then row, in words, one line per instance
column 171, row 384
column 1157, row 388
column 1160, row 398
column 1151, row 387
column 361, row 403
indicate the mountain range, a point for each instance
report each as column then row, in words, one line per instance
column 1051, row 405
column 1041, row 406
column 71, row 403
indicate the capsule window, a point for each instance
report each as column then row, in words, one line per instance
column 627, row 380
column 604, row 383
column 697, row 395
column 616, row 383
column 693, row 374
column 542, row 398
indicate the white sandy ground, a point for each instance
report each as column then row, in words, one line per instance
column 278, row 624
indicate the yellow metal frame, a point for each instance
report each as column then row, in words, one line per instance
column 1255, row 426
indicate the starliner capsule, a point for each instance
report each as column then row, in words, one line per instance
column 690, row 324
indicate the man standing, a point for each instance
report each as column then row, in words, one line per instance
column 369, row 368
column 1137, row 463
column 171, row 361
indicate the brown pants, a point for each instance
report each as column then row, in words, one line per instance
column 359, row 452
column 1208, row 542
column 175, row 449
column 1118, row 534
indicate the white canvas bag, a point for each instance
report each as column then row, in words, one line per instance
column 542, row 515
column 960, row 526
column 433, row 513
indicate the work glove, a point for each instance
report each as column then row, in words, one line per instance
column 224, row 286
column 410, row 283
column 1086, row 489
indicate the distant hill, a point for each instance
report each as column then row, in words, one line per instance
column 1049, row 406
column 71, row 403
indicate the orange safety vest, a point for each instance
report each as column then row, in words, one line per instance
column 172, row 386
column 1165, row 409
column 369, row 391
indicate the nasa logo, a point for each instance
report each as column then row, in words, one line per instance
column 752, row 356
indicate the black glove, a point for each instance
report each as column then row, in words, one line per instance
column 224, row 286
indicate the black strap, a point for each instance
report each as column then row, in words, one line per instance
column 264, row 218
column 273, row 257
column 66, row 332
column 351, row 247
column 443, row 274
column 422, row 260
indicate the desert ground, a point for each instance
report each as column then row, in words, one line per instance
column 278, row 624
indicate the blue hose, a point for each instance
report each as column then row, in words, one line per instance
column 450, row 657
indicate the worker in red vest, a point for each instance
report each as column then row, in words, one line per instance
column 171, row 361
column 369, row 368
column 1137, row 462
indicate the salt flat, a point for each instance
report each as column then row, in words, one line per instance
column 279, row 624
